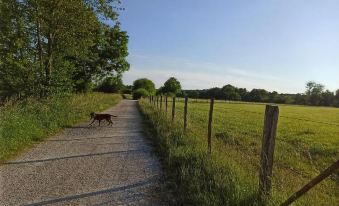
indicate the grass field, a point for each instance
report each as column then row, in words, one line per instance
column 307, row 142
column 25, row 123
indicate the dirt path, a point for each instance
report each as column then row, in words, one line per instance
column 107, row 165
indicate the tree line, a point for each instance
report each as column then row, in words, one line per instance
column 315, row 93
column 52, row 47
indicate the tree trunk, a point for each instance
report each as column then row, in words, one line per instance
column 49, row 60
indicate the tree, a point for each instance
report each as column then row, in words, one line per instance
column 146, row 84
column 229, row 92
column 313, row 92
column 258, row 95
column 337, row 98
column 108, row 57
column 172, row 85
column 49, row 47
column 327, row 98
column 214, row 92
column 111, row 85
column 141, row 92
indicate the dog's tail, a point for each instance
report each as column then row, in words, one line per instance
column 113, row 115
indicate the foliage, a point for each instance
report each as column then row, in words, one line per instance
column 141, row 92
column 315, row 95
column 307, row 143
column 25, row 123
column 54, row 47
column 111, row 85
column 144, row 83
column 171, row 86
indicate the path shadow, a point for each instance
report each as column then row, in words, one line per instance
column 100, row 192
column 75, row 156
column 89, row 138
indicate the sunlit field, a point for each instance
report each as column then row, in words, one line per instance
column 307, row 143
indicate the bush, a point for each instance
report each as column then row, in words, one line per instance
column 137, row 94
column 146, row 84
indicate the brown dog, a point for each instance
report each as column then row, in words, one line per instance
column 100, row 117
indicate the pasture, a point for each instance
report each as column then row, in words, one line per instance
column 307, row 143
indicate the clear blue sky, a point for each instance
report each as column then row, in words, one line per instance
column 271, row 44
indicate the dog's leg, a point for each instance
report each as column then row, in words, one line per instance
column 92, row 122
column 110, row 121
column 99, row 122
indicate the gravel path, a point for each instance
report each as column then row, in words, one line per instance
column 107, row 165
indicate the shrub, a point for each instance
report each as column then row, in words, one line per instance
column 137, row 94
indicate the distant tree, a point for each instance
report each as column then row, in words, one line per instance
column 215, row 92
column 258, row 95
column 141, row 92
column 242, row 92
column 327, row 98
column 192, row 94
column 336, row 101
column 172, row 85
column 313, row 92
column 230, row 92
column 146, row 84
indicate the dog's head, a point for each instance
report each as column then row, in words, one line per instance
column 92, row 114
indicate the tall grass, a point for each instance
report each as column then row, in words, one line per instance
column 24, row 123
column 196, row 177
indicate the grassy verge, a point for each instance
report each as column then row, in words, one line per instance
column 28, row 122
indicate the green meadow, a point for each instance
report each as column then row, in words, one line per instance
column 307, row 143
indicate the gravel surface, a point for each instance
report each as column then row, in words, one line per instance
column 83, row 165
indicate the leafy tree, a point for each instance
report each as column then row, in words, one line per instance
column 327, row 98
column 146, row 84
column 108, row 57
column 313, row 92
column 17, row 70
column 214, row 92
column 49, row 47
column 229, row 92
column 172, row 85
column 141, row 92
column 111, row 85
column 258, row 95
column 192, row 94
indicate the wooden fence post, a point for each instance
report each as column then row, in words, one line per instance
column 153, row 100
column 160, row 102
column 210, row 118
column 173, row 109
column 157, row 102
column 267, row 149
column 312, row 183
column 185, row 114
column 166, row 104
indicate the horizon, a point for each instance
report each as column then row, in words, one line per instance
column 276, row 46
